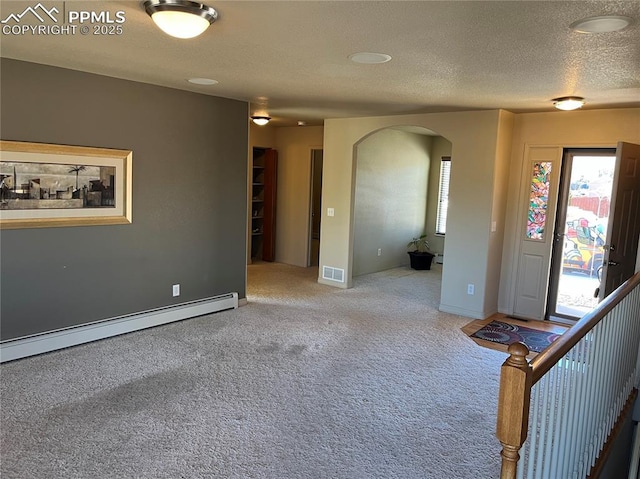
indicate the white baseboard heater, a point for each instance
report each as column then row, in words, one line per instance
column 64, row 338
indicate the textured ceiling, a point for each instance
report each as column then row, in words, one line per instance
column 290, row 58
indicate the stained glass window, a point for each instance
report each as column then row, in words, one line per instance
column 538, row 200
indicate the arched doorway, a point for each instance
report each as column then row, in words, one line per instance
column 395, row 195
column 475, row 221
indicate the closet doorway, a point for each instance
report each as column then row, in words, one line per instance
column 315, row 207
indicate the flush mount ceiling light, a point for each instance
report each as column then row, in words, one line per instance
column 202, row 81
column 603, row 24
column 369, row 58
column 180, row 18
column 568, row 103
column 260, row 120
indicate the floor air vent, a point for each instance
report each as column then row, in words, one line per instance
column 334, row 274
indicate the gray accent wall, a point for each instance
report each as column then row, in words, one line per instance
column 189, row 200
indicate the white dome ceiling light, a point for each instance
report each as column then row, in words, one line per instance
column 180, row 18
column 568, row 103
column 260, row 120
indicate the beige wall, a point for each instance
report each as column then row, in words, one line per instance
column 474, row 146
column 588, row 128
column 294, row 145
column 439, row 147
column 499, row 209
column 487, row 148
column 263, row 136
column 390, row 198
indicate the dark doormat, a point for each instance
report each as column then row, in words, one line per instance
column 506, row 333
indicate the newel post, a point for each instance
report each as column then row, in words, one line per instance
column 513, row 407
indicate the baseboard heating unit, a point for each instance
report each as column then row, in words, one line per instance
column 64, row 338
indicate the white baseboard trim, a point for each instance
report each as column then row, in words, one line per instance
column 462, row 312
column 64, row 338
column 335, row 284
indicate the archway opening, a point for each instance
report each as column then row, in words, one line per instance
column 396, row 195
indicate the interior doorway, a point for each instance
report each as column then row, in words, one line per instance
column 315, row 208
column 578, row 253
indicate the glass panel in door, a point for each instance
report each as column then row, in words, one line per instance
column 583, row 215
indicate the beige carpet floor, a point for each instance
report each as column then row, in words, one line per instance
column 306, row 381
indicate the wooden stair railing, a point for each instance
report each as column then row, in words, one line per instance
column 513, row 406
column 582, row 383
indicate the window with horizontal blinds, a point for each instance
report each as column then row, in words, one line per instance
column 443, row 195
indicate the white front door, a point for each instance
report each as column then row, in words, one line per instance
column 537, row 214
column 535, row 230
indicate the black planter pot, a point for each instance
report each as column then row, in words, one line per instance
column 420, row 260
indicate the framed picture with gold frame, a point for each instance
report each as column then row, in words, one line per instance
column 45, row 185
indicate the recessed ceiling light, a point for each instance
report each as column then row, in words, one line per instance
column 302, row 123
column 203, row 81
column 603, row 24
column 568, row 103
column 369, row 58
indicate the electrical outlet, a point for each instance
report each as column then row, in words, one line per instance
column 379, row 251
column 470, row 288
column 331, row 212
column 176, row 290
